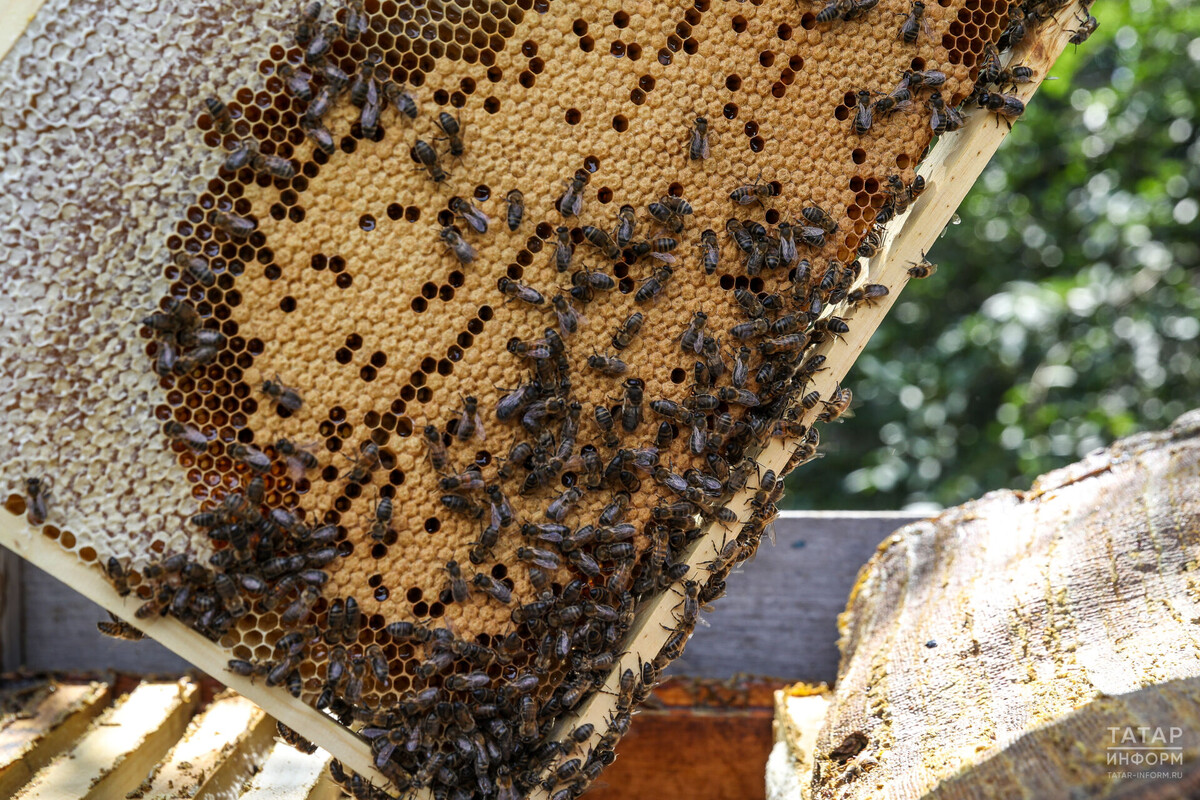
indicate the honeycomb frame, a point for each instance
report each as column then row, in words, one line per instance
column 661, row 609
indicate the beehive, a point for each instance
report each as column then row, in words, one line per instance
column 346, row 290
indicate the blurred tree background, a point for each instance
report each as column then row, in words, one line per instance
column 1066, row 312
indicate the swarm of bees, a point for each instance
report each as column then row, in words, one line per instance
column 478, row 716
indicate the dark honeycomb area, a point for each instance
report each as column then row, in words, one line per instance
column 339, row 273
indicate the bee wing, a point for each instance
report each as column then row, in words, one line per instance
column 479, row 434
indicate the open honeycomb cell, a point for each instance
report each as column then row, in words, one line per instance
column 386, row 542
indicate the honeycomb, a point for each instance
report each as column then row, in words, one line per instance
column 322, row 304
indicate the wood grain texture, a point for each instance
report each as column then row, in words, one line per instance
column 27, row 744
column 988, row 651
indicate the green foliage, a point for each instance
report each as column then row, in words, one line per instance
column 1066, row 312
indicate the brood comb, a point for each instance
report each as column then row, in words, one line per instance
column 456, row 465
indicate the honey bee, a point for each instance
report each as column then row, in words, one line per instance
column 698, row 148
column 817, row 216
column 401, row 100
column 607, row 365
column 37, row 498
column 653, row 286
column 626, row 225
column 868, row 294
column 197, row 267
column 284, row 397
column 234, row 226
column 563, row 249
column 1014, row 76
column 754, row 192
column 628, row 329
column 356, row 23
column 631, row 405
column 922, row 269
column 295, row 740
column 476, row 219
column 870, row 244
column 1014, row 34
column 751, row 329
column 569, row 320
column 428, row 158
column 710, row 253
column 659, row 248
column 587, row 281
column 519, row 291
column 989, row 65
column 166, row 359
column 834, row 9
column 863, row 117
column 570, row 203
column 471, row 480
column 296, row 83
column 899, row 99
column 322, row 39
column 116, row 574
column 601, row 240
column 453, row 129
column 319, row 105
column 437, row 450
column 470, row 424
column 559, row 507
column 515, row 212
column 460, row 590
column 928, row 79
column 307, row 24
column 543, row 559
column 837, row 406
column 368, row 118
column 915, row 24
column 1086, row 28
column 464, row 252
column 117, row 628
column 1005, row 106
column 791, row 343
column 196, row 441
column 665, row 216
column 221, row 118
column 321, row 138
column 693, row 336
column 493, row 588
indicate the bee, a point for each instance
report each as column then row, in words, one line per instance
column 476, row 219
column 453, row 130
column 863, row 118
column 538, row 349
column 563, row 249
column 923, row 269
column 601, row 240
column 665, row 216
column 364, row 88
column 404, row 632
column 559, row 507
column 659, row 248
column 437, row 449
column 456, row 244
column 428, row 158
column 284, row 397
column 692, row 338
column 197, row 267
column 1014, row 34
column 929, row 78
column 868, row 293
column 296, row 83
column 114, row 571
column 837, row 406
column 319, row 104
column 306, row 26
column 570, row 203
column 834, row 9
column 519, row 291
column 493, row 588
column 899, row 99
column 753, row 192
column 1014, row 76
column 322, row 39
column 252, row 457
column 221, row 118
column 915, row 23
column 569, row 320
column 605, row 422
column 791, row 343
column 470, row 424
column 653, row 287
column 461, row 505
column 989, row 65
column 460, row 590
column 944, row 118
column 1004, row 106
column 709, row 252
column 592, row 279
column 543, row 559
column 698, row 148
column 817, row 216
column 515, row 201
column 322, row 139
column 1086, row 28
column 631, row 405
column 368, row 118
column 196, row 441
column 401, row 100
column 628, row 329
column 300, row 608
column 234, row 226
column 356, row 23
column 626, row 225
column 751, row 329
column 119, row 629
column 607, row 365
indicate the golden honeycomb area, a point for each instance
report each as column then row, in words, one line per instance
column 403, row 348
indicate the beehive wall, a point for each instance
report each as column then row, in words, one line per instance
column 346, row 292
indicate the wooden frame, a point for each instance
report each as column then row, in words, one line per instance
column 950, row 170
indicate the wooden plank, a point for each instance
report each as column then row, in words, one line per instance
column 798, row 720
column 27, row 744
column 780, row 616
column 220, row 749
column 289, row 774
column 208, row 656
column 119, row 747
column 11, row 652
column 15, row 16
column 950, row 170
